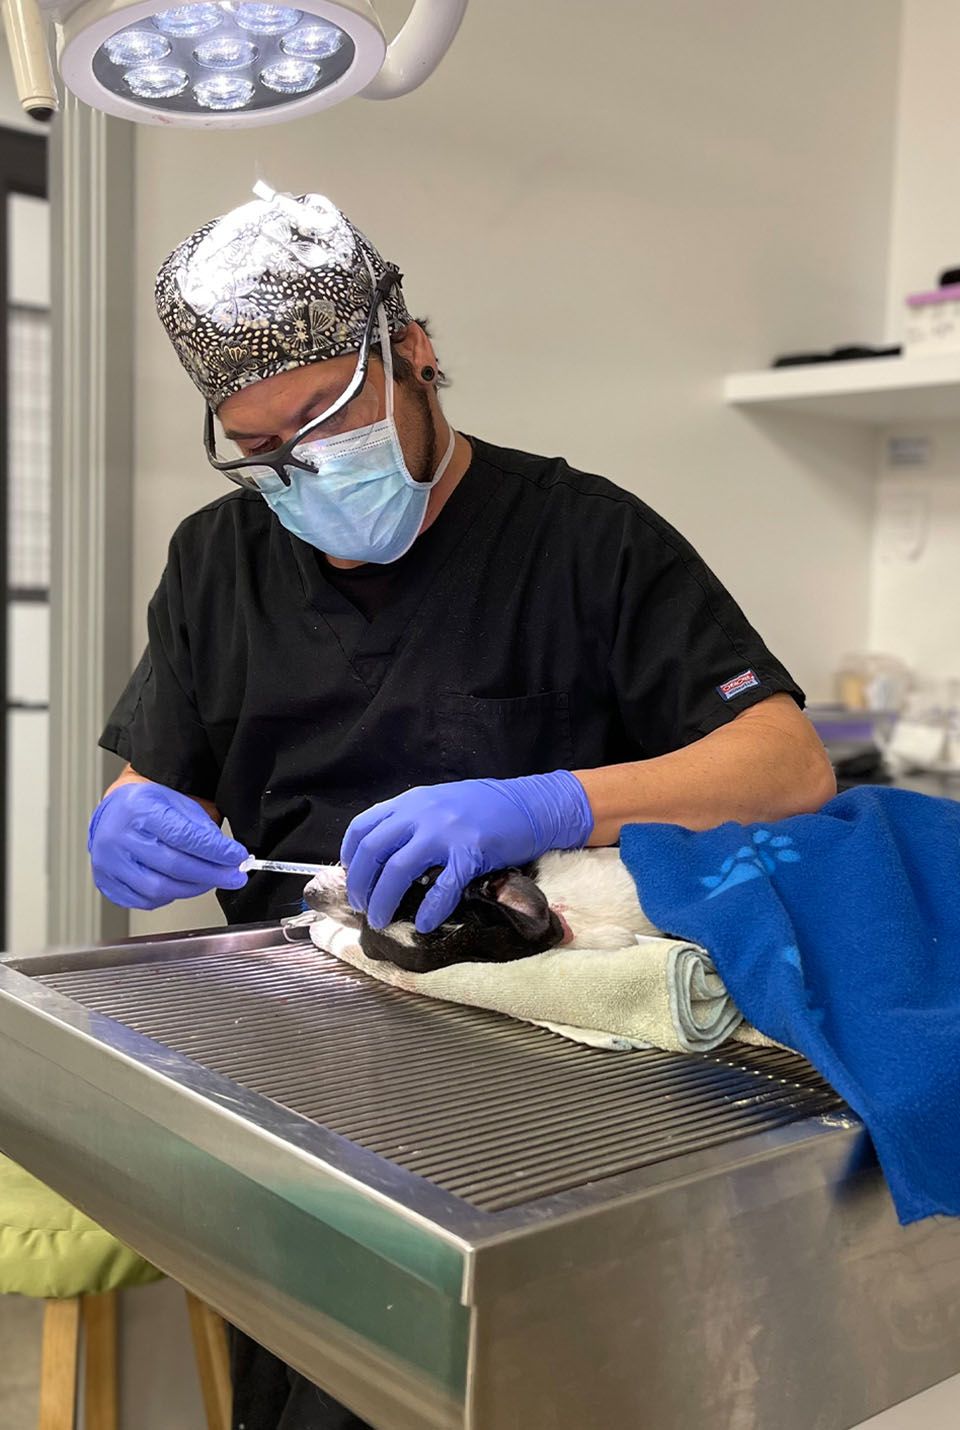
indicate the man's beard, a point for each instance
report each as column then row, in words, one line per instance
column 428, row 462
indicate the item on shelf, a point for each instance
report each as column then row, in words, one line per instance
column 863, row 764
column 933, row 320
column 952, row 752
column 948, row 278
column 873, row 681
column 927, row 735
column 852, row 352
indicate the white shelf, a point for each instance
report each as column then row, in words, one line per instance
column 876, row 391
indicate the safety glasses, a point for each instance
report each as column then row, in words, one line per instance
column 253, row 472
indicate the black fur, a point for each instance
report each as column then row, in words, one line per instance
column 502, row 916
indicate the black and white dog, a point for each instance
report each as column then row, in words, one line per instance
column 583, row 898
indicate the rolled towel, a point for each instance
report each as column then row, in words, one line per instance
column 656, row 993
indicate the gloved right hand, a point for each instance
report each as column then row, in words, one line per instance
column 150, row 845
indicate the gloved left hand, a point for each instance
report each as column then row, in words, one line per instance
column 470, row 827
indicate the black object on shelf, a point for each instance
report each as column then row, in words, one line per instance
column 858, row 763
column 853, row 352
column 949, row 278
column 800, row 359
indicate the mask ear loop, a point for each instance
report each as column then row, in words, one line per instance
column 386, row 351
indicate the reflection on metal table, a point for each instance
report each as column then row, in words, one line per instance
column 449, row 1219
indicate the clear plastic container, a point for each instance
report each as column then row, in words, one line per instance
column 872, row 681
column 927, row 734
column 952, row 754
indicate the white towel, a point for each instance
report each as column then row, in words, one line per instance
column 658, row 993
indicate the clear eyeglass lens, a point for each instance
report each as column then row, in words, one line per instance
column 188, row 20
column 223, row 92
column 266, row 19
column 290, row 76
column 263, row 479
column 307, row 457
column 133, row 47
column 156, row 81
column 225, row 53
column 312, row 42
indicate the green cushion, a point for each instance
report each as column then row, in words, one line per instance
column 50, row 1250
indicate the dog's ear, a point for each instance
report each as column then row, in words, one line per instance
column 517, row 900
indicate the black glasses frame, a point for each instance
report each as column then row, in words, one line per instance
column 280, row 457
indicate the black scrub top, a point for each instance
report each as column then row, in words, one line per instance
column 548, row 619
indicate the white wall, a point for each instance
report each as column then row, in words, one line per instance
column 604, row 210
column 29, row 276
column 925, row 232
column 916, row 599
column 915, row 606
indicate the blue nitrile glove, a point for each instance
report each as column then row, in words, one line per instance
column 471, row 827
column 150, row 845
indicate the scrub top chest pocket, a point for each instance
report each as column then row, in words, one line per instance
column 500, row 738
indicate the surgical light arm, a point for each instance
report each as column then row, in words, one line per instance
column 32, row 72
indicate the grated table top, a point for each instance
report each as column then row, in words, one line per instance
column 497, row 1112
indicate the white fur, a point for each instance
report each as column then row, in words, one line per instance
column 331, row 884
column 594, row 891
column 330, row 881
column 591, row 888
column 402, row 933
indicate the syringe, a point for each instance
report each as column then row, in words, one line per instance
column 280, row 866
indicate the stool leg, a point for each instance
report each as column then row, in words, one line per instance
column 58, row 1374
column 213, row 1362
column 100, row 1361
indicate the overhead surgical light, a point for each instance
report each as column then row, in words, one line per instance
column 229, row 63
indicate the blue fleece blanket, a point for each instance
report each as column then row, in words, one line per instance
column 838, row 934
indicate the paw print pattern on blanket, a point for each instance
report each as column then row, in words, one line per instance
column 752, row 861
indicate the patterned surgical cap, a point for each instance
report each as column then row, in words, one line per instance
column 271, row 286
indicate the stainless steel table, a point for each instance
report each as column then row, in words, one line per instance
column 452, row 1220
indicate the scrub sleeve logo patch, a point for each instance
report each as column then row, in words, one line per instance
column 746, row 680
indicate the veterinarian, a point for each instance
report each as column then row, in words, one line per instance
column 394, row 642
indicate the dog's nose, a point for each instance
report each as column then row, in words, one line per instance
column 568, row 934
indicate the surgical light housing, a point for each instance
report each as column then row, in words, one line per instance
column 228, row 63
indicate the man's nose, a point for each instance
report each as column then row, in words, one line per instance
column 277, row 439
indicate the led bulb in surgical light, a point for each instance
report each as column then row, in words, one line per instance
column 154, row 81
column 186, row 21
column 224, row 52
column 265, row 19
column 312, row 42
column 224, row 91
column 290, row 76
column 132, row 47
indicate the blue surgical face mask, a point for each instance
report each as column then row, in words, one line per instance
column 358, row 502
